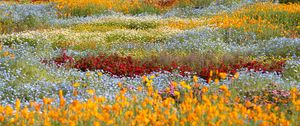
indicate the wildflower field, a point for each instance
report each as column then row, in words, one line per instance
column 149, row 62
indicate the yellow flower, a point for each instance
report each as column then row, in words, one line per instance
column 87, row 74
column 47, row 101
column 90, row 91
column 119, row 84
column 12, row 56
column 61, row 98
column 223, row 88
column 195, row 79
column 18, row 103
column 144, row 79
column 12, row 120
column 188, row 87
column 177, row 93
column 216, row 81
column 204, row 89
column 1, row 118
column 72, row 123
column 76, row 84
column 8, row 110
column 248, row 104
column 293, row 90
column 6, row 53
column 152, row 76
column 96, row 123
column 174, row 84
column 269, row 106
column 140, row 88
column 31, row 121
column 148, row 84
column 215, row 97
column 182, row 83
column 60, row 93
column 222, row 75
column 236, row 75
column 209, row 80
column 99, row 74
column 211, row 73
column 75, row 93
column 128, row 114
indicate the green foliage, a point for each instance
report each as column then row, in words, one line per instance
column 261, row 86
column 8, row 25
column 28, row 71
column 238, row 36
column 288, row 1
column 112, row 24
column 93, row 9
column 286, row 21
column 201, row 3
column 145, row 8
column 87, row 10
column 205, row 3
column 292, row 70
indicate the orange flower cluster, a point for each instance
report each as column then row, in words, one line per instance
column 211, row 109
column 262, row 17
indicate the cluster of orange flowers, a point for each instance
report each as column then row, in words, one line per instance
column 242, row 20
column 217, row 76
column 226, row 21
column 204, row 109
column 291, row 8
column 6, row 53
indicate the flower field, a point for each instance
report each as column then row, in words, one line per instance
column 149, row 62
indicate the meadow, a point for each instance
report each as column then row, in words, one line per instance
column 149, row 62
